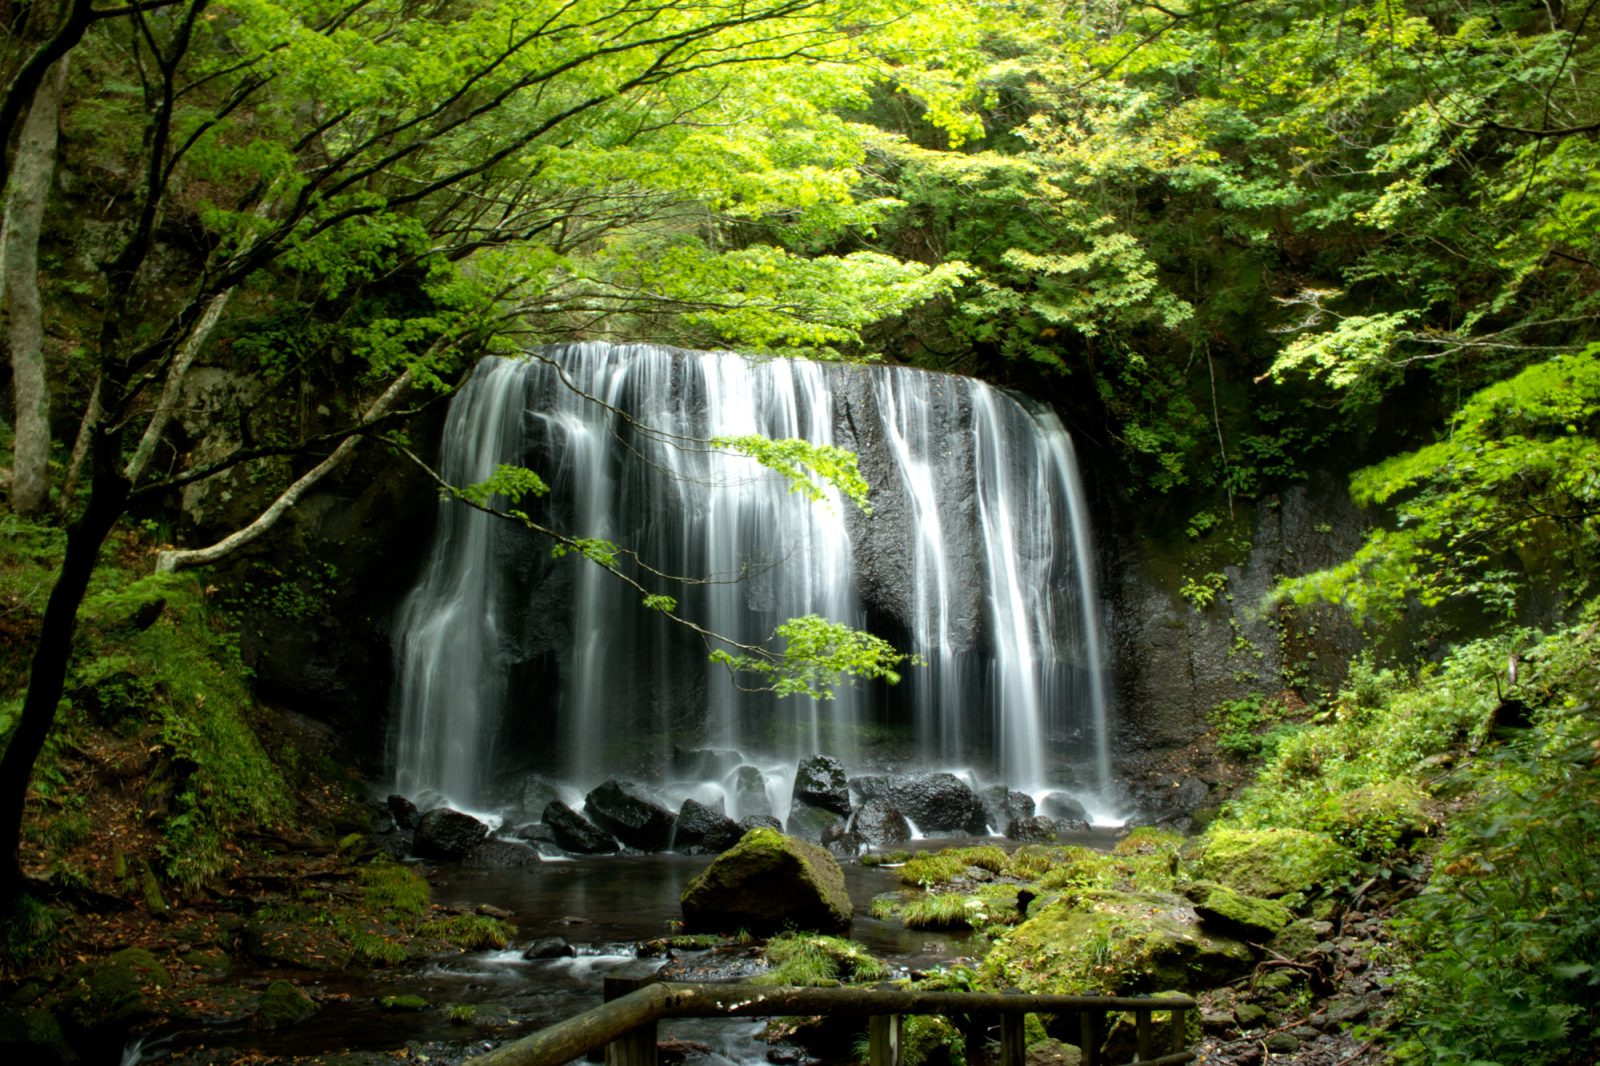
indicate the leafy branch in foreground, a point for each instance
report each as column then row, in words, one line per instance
column 808, row 468
column 817, row 653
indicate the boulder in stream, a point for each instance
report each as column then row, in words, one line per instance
column 1003, row 805
column 819, row 781
column 700, row 826
column 1035, row 829
column 446, row 834
column 575, row 833
column 938, row 803
column 403, row 811
column 1063, row 808
column 879, row 824
column 811, row 823
column 766, row 883
column 630, row 813
column 748, row 786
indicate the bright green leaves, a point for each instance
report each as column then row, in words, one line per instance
column 1513, row 491
column 808, row 468
column 816, row 655
column 510, row 482
column 602, row 553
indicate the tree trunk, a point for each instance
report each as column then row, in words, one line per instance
column 51, row 656
column 19, row 251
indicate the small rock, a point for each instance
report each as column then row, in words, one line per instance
column 500, row 855
column 550, row 947
column 1248, row 1015
column 1283, row 1043
column 489, row 910
column 1059, row 805
column 446, row 834
column 1344, row 1009
column 880, row 824
column 819, row 781
column 283, row 1004
column 575, row 833
column 1034, row 829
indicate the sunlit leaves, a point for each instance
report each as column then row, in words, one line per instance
column 817, row 654
column 810, row 469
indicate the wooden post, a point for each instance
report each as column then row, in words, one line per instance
column 1180, row 1031
column 1089, row 1037
column 1013, row 1041
column 637, row 1047
column 883, row 1040
column 1142, row 1034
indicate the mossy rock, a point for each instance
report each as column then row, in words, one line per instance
column 1376, row 820
column 110, row 997
column 1236, row 914
column 34, row 1036
column 1114, row 942
column 1147, row 839
column 283, row 1004
column 765, row 883
column 1299, row 937
column 1271, row 862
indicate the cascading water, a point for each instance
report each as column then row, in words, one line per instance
column 977, row 554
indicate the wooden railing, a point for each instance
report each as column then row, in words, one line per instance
column 625, row 1025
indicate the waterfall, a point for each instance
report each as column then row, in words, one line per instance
column 977, row 555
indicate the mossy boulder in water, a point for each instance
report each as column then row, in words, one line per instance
column 1271, row 862
column 1098, row 940
column 765, row 883
column 1236, row 914
column 283, row 1004
column 104, row 1000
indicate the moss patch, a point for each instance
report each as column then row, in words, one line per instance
column 1271, row 862
column 768, row 882
column 1236, row 914
column 1117, row 942
column 283, row 1004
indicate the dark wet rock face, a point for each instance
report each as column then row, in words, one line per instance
column 498, row 854
column 575, row 833
column 879, row 824
column 1002, row 805
column 1036, row 829
column 937, row 803
column 631, row 814
column 1062, row 807
column 446, row 834
column 819, row 781
column 700, row 826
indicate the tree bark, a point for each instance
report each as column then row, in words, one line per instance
column 47, row 677
column 29, row 191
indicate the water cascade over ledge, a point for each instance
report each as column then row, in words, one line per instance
column 977, row 558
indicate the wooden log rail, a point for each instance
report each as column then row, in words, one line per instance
column 625, row 1025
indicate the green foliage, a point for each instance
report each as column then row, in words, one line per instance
column 810, row 469
column 508, row 483
column 1512, row 493
column 816, row 654
column 811, row 960
column 1508, row 933
column 29, row 934
column 1203, row 591
column 1249, row 727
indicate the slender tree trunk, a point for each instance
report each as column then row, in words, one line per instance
column 172, row 390
column 31, row 178
column 51, row 655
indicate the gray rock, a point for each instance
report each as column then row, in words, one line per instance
column 500, row 854
column 1035, row 829
column 879, row 824
column 575, row 833
column 550, row 947
column 759, row 821
column 446, row 834
column 869, row 786
column 1060, row 806
column 937, row 803
column 403, row 811
column 749, row 788
column 535, row 795
column 628, row 812
column 1004, row 805
column 700, row 826
column 810, row 823
column 819, row 781
column 841, row 842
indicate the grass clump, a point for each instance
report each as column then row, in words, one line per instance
column 474, row 932
column 814, row 960
column 888, row 858
column 393, row 890
column 942, row 867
